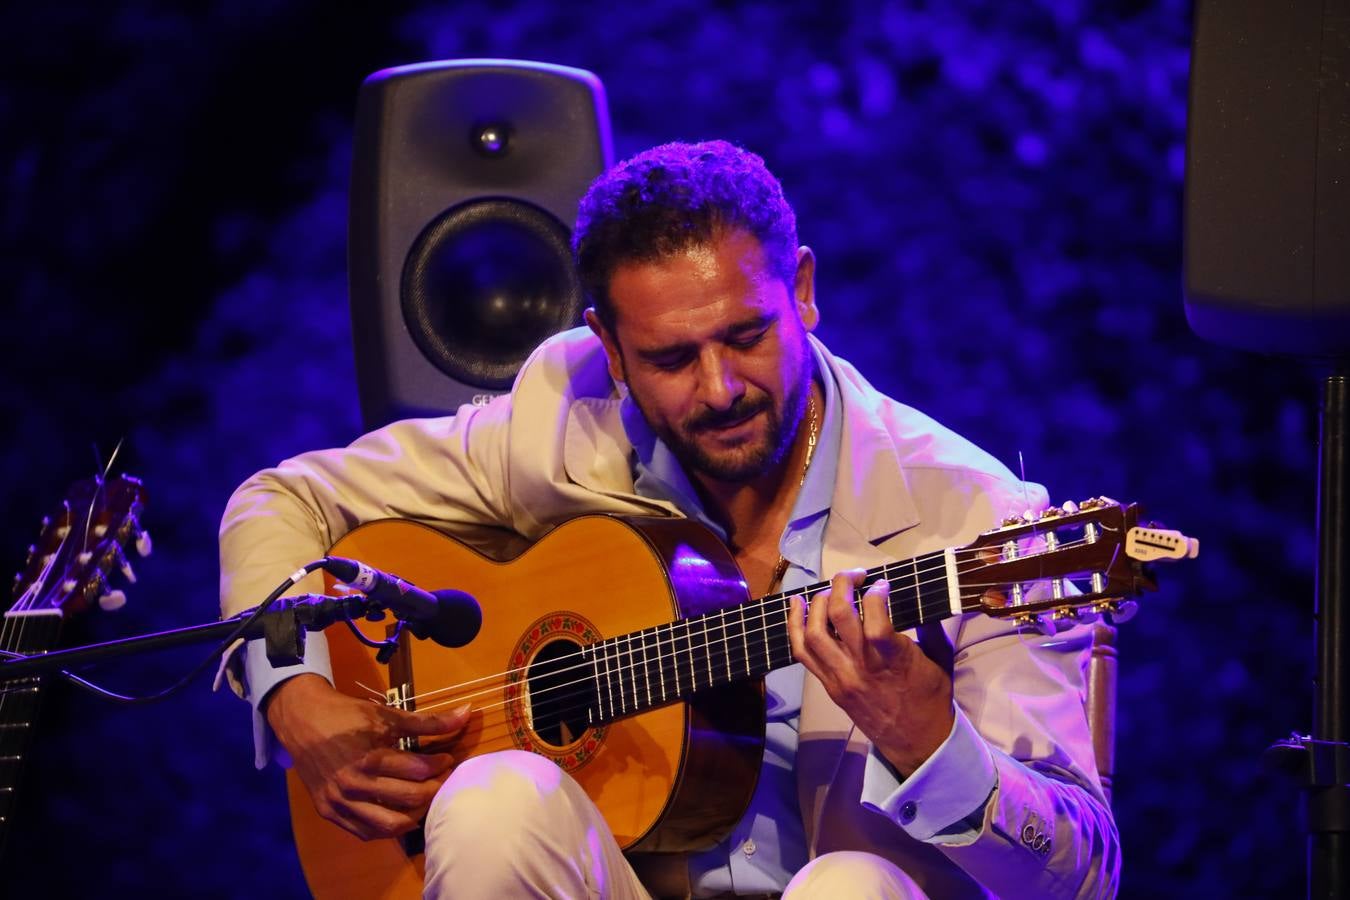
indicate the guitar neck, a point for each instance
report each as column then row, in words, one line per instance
column 635, row 672
column 28, row 633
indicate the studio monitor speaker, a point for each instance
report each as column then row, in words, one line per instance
column 466, row 176
column 1267, row 209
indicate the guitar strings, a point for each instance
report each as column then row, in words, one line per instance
column 712, row 660
column 497, row 728
column 939, row 606
column 762, row 602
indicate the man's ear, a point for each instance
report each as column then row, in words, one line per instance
column 804, row 288
column 611, row 344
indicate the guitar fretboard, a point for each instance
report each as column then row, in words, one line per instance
column 635, row 672
column 27, row 633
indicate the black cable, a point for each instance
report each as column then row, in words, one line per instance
column 114, row 697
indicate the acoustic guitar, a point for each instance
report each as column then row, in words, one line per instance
column 628, row 652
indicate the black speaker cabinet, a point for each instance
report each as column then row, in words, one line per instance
column 1267, row 231
column 466, row 177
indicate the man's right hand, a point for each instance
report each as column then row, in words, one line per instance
column 346, row 752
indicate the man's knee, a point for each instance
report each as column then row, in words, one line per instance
column 848, row 873
column 497, row 796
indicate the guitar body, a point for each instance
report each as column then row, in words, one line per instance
column 673, row 778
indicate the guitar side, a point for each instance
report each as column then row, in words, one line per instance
column 673, row 778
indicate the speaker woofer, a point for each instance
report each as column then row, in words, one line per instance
column 484, row 283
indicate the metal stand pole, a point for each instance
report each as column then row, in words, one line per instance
column 1328, row 747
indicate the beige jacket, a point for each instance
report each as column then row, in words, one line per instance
column 555, row 448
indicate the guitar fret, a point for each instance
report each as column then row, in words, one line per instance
column 745, row 645
column 708, row 656
column 634, row 673
column 590, row 710
column 768, row 657
column 786, row 644
column 918, row 589
column 661, row 666
column 646, row 671
column 726, row 645
column 631, row 669
column 628, row 648
column 638, row 667
column 609, row 680
column 637, row 657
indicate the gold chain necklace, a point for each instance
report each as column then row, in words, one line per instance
column 812, row 435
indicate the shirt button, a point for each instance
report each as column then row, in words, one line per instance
column 749, row 848
column 908, row 811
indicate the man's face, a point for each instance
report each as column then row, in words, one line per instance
column 712, row 345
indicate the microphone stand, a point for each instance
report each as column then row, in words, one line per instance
column 283, row 628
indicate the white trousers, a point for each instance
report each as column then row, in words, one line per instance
column 514, row 825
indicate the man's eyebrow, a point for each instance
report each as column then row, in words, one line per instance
column 763, row 320
column 654, row 354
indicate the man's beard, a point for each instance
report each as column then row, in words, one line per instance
column 745, row 463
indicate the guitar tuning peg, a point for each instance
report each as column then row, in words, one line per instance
column 112, row 601
column 144, row 547
column 99, row 530
column 1070, row 507
column 127, row 572
column 1122, row 611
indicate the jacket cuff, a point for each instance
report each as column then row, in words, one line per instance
column 259, row 680
column 942, row 801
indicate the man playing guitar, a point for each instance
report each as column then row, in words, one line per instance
column 949, row 761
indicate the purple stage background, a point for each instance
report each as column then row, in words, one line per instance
column 994, row 194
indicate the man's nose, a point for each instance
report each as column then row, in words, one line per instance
column 721, row 385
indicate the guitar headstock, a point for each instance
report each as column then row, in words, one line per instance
column 82, row 543
column 1068, row 561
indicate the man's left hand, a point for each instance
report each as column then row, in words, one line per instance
column 892, row 690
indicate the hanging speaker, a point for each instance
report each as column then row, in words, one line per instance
column 466, row 176
column 1267, row 230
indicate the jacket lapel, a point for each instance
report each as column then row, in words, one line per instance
column 598, row 457
column 871, row 503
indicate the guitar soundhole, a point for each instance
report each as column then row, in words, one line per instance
column 560, row 693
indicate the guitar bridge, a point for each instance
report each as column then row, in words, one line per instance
column 401, row 697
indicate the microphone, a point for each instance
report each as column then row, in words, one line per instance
column 450, row 618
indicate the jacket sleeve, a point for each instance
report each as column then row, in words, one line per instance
column 450, row 470
column 1047, row 830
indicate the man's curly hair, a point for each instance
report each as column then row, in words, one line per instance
column 673, row 197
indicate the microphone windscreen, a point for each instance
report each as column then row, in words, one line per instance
column 458, row 618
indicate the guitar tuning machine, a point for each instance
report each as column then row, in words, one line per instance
column 144, row 546
column 112, row 601
column 1122, row 611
